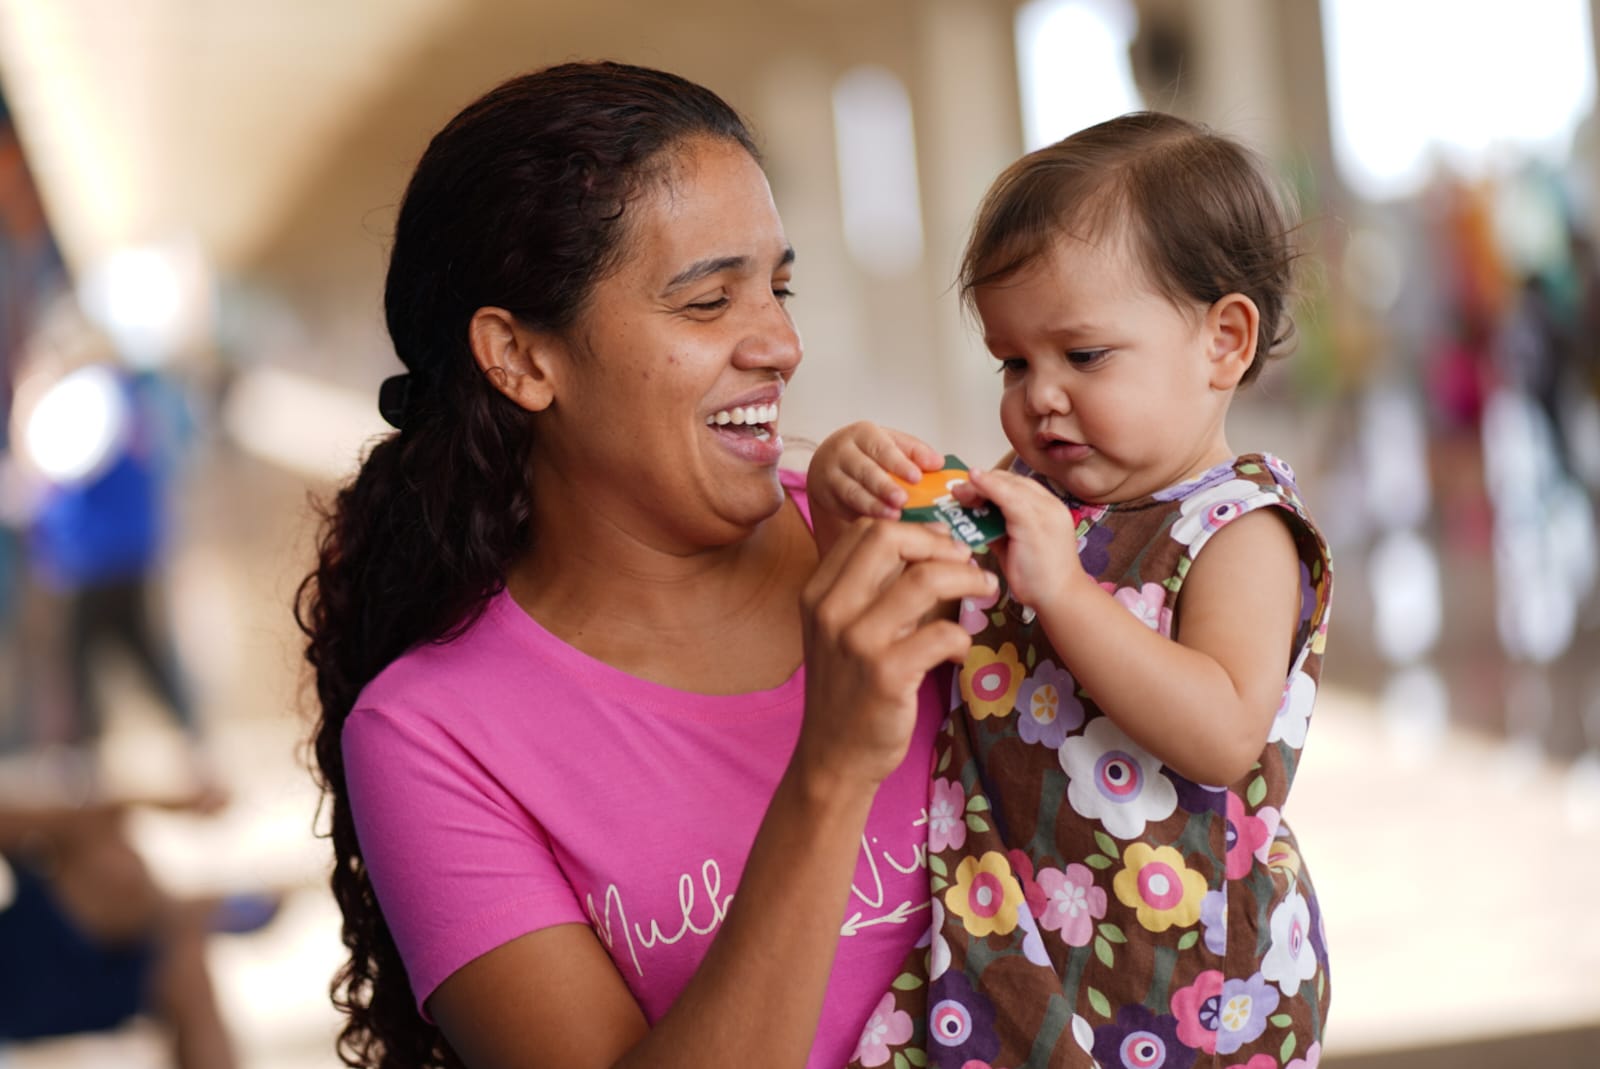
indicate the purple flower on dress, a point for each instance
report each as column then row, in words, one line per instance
column 1138, row 1039
column 1282, row 473
column 1243, row 1010
column 960, row 1023
column 1048, row 706
column 1200, row 482
column 1214, row 919
column 1196, row 797
column 1094, row 549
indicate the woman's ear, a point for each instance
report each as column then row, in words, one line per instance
column 519, row 361
column 1232, row 323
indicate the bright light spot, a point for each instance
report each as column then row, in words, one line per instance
column 1072, row 59
column 1544, row 535
column 1407, row 608
column 1394, row 451
column 310, row 427
column 1415, row 707
column 151, row 300
column 76, row 424
column 1412, row 81
column 1373, row 270
column 877, row 155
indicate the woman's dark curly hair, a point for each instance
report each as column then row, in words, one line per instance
column 520, row 203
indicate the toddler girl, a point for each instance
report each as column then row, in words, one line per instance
column 1113, row 880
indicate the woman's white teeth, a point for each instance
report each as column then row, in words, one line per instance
column 749, row 415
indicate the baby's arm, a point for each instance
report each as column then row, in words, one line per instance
column 1203, row 701
column 852, row 475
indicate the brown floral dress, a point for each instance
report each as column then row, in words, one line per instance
column 1091, row 906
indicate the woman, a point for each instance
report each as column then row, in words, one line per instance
column 558, row 622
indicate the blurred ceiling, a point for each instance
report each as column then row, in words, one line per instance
column 241, row 126
column 148, row 120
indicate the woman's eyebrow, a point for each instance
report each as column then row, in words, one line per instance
column 704, row 268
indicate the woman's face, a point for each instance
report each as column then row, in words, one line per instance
column 666, row 409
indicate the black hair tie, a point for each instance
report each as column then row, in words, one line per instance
column 394, row 398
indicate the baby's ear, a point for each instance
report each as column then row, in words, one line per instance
column 1232, row 323
column 518, row 361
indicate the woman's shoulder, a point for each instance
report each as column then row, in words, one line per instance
column 465, row 665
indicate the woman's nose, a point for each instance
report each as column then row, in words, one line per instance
column 772, row 341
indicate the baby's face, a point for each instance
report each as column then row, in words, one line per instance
column 1110, row 388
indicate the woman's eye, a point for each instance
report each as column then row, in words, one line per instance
column 783, row 293
column 710, row 305
column 1086, row 357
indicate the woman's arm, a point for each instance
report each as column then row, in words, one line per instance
column 553, row 998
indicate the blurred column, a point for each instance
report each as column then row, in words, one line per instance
column 1236, row 83
column 969, row 128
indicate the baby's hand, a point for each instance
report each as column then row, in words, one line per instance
column 853, row 472
column 1039, row 554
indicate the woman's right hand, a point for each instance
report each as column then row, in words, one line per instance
column 871, row 634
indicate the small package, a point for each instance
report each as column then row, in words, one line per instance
column 932, row 502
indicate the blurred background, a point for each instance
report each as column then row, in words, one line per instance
column 195, row 203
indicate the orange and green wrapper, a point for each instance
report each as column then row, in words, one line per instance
column 931, row 501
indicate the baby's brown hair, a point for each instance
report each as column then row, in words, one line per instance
column 1201, row 212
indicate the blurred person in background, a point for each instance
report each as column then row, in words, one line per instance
column 89, row 940
column 105, row 440
column 582, row 674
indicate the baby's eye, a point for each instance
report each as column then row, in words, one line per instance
column 1011, row 365
column 1086, row 357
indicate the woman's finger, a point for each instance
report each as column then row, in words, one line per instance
column 870, row 555
column 908, row 599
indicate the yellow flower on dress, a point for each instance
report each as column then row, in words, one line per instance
column 1157, row 884
column 1283, row 857
column 986, row 895
column 990, row 680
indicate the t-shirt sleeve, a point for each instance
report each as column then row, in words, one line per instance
column 458, row 866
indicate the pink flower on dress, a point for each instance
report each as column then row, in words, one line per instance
column 1197, row 1007
column 975, row 612
column 1312, row 1059
column 887, row 1027
column 1072, row 903
column 1245, row 836
column 1148, row 603
column 1257, row 1061
column 947, row 816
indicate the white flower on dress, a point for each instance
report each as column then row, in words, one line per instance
column 1291, row 960
column 1203, row 514
column 1293, row 717
column 1112, row 780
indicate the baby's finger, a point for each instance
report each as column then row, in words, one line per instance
column 1011, row 492
column 918, row 452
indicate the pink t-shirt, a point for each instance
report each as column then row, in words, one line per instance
column 504, row 781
